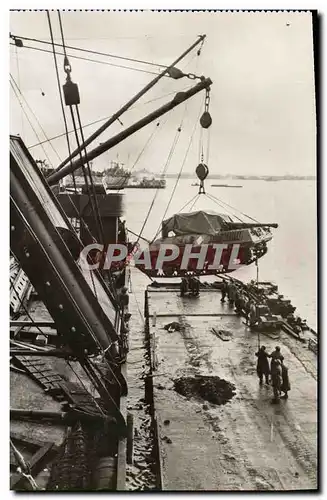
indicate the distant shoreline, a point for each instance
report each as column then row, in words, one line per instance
column 267, row 178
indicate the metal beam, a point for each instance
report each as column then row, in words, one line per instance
column 16, row 323
column 115, row 116
column 43, row 255
column 58, row 353
column 105, row 146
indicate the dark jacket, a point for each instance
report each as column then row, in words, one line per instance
column 263, row 363
column 286, row 386
column 276, row 377
column 274, row 356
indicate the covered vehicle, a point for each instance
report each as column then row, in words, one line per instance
column 238, row 243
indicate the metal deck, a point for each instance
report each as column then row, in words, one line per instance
column 248, row 443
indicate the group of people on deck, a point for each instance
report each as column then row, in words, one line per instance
column 277, row 371
column 190, row 285
column 237, row 298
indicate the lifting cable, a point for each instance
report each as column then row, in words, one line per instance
column 189, row 202
column 61, row 100
column 86, row 173
column 178, row 178
column 68, row 143
column 175, row 140
column 215, row 200
column 86, row 170
column 170, row 154
column 233, row 208
column 93, row 200
column 140, row 154
column 198, row 196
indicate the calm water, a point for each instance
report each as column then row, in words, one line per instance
column 292, row 256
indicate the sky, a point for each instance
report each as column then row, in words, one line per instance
column 262, row 97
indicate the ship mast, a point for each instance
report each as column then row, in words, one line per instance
column 179, row 98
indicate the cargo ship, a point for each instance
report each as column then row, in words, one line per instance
column 118, row 383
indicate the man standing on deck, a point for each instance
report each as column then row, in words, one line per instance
column 224, row 290
column 286, row 386
column 231, row 293
column 239, row 302
column 262, row 364
column 277, row 380
column 184, row 287
column 275, row 355
column 194, row 286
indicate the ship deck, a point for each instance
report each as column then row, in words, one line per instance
column 247, row 443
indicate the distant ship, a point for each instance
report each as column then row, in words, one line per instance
column 226, row 185
column 147, row 183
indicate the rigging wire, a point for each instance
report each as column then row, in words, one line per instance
column 85, row 388
column 170, row 154
column 215, row 200
column 18, row 77
column 184, row 206
column 36, row 118
column 95, row 208
column 177, row 137
column 69, row 198
column 180, row 210
column 179, row 175
column 68, row 145
column 87, row 170
column 113, row 56
column 29, row 121
column 107, row 117
column 71, row 56
column 198, row 195
column 233, row 208
column 138, row 235
column 141, row 153
column 86, row 180
column 61, row 101
column 90, row 175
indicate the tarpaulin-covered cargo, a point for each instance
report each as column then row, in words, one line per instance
column 195, row 223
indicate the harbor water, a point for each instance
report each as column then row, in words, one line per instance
column 291, row 261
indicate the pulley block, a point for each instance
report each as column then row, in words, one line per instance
column 175, row 73
column 205, row 120
column 202, row 171
column 71, row 93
